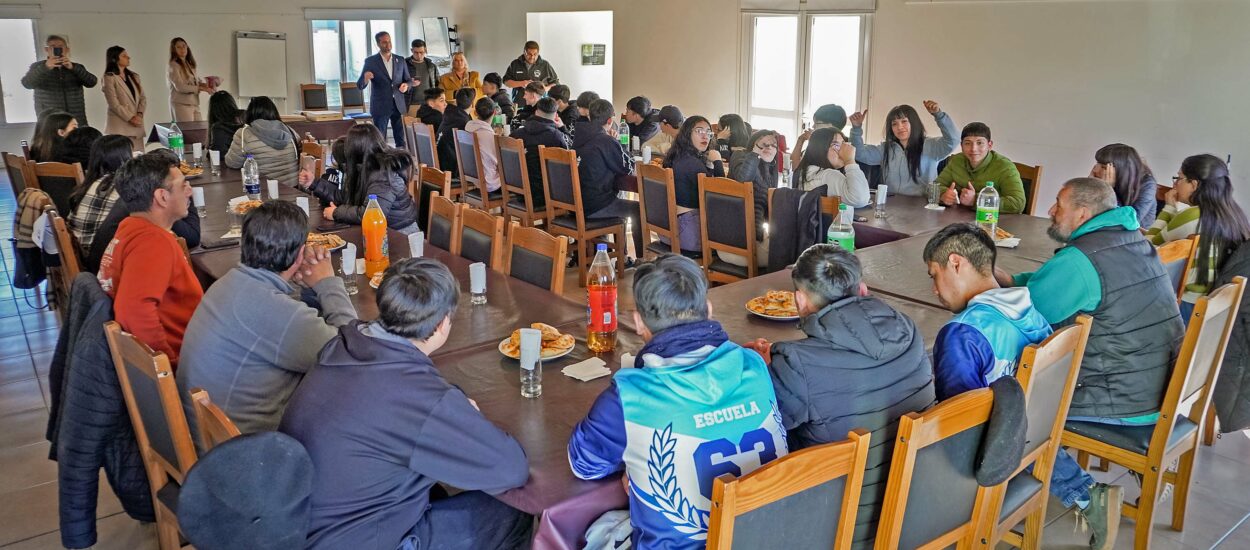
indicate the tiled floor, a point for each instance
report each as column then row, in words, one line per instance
column 1219, row 512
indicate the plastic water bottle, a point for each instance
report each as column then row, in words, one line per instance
column 377, row 249
column 987, row 209
column 624, row 134
column 251, row 178
column 175, row 140
column 842, row 231
column 601, row 302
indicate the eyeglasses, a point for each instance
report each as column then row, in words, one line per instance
column 703, row 131
column 1176, row 179
column 766, row 145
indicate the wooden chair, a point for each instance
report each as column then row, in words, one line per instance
column 932, row 475
column 313, row 149
column 313, row 97
column 318, row 165
column 473, row 172
column 514, row 179
column 480, row 238
column 147, row 382
column 1149, row 450
column 732, row 205
column 536, row 257
column 829, row 206
column 1178, row 258
column 67, row 248
column 1047, row 373
column 444, row 224
column 58, row 180
column 25, row 149
column 426, row 143
column 657, row 212
column 213, row 424
column 1031, row 177
column 428, row 181
column 567, row 216
column 21, row 174
column 814, row 491
column 351, row 97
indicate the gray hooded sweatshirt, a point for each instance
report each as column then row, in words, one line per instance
column 272, row 144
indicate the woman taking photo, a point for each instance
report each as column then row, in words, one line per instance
column 460, row 77
column 692, row 154
column 829, row 160
column 93, row 201
column 50, row 133
column 757, row 163
column 124, row 95
column 223, row 121
column 369, row 167
column 1121, row 167
column 908, row 159
column 184, row 85
column 268, row 140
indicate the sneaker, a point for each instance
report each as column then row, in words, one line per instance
column 1102, row 517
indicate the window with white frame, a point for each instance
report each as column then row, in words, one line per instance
column 17, row 41
column 340, row 46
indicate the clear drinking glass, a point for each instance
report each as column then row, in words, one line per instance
column 935, row 193
column 879, row 209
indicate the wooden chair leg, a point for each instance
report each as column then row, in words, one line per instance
column 1180, row 491
column 1033, row 525
column 583, row 259
column 1208, row 429
column 1151, row 484
column 622, row 250
column 1103, row 464
column 167, row 529
column 1082, row 458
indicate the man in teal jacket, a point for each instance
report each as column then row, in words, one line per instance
column 976, row 164
column 1108, row 270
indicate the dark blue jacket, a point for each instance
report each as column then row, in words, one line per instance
column 600, row 159
column 384, row 94
column 539, row 131
column 686, row 169
column 382, row 427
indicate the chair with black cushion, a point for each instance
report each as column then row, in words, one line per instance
column 426, row 142
column 1151, row 450
column 351, row 97
column 932, row 499
column 732, row 204
column 444, row 225
column 473, row 173
column 811, row 495
column 213, row 424
column 657, row 205
column 410, row 136
column 536, row 257
column 514, row 179
column 428, row 181
column 1031, row 177
column 480, row 238
column 1177, row 258
column 147, row 382
column 1047, row 374
column 59, row 180
column 21, row 174
column 566, row 214
column 313, row 97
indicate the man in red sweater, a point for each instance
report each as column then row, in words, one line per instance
column 143, row 269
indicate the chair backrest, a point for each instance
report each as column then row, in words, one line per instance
column 314, row 97
column 514, row 177
column 732, row 204
column 444, row 226
column 21, row 174
column 410, row 138
column 147, row 382
column 812, row 495
column 657, row 203
column 67, row 248
column 59, row 180
column 317, row 164
column 932, row 498
column 429, row 180
column 561, row 183
column 1031, row 177
column 469, row 160
column 536, row 257
column 213, row 424
column 313, row 149
column 351, row 97
column 427, row 144
column 829, row 205
column 481, row 237
column 1177, row 258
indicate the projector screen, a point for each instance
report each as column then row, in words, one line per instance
column 437, row 40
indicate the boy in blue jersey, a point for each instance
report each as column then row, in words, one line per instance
column 697, row 406
column 992, row 325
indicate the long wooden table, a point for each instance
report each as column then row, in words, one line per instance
column 196, row 131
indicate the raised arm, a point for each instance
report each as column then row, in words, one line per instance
column 85, row 78
column 867, row 154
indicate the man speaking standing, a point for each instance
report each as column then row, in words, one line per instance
column 387, row 77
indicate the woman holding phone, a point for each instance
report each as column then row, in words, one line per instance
column 184, row 85
column 124, row 95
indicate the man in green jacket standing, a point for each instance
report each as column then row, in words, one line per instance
column 977, row 164
column 1109, row 271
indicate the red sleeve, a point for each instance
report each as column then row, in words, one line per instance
column 141, row 286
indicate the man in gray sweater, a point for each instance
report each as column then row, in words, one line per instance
column 250, row 341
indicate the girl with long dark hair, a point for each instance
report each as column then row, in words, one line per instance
column 76, row 147
column 907, row 158
column 50, row 132
column 223, row 121
column 830, row 161
column 1124, row 170
column 692, row 154
column 267, row 139
column 368, row 167
column 733, row 136
column 757, row 164
column 94, row 199
column 124, row 95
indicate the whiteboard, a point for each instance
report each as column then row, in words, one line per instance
column 261, row 60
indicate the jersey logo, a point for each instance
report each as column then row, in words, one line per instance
column 666, row 496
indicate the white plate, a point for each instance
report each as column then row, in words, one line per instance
column 556, row 356
column 344, row 245
column 770, row 317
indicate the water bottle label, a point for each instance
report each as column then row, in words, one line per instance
column 251, row 188
column 386, row 246
column 602, row 309
column 846, row 242
column 987, row 215
column 175, row 142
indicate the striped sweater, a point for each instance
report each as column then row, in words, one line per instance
column 1176, row 221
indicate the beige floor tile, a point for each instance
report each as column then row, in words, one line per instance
column 32, row 512
column 16, row 369
column 116, row 532
column 22, row 428
column 25, row 466
column 20, row 396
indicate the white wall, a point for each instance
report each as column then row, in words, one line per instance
column 561, row 35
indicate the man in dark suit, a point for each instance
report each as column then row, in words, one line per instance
column 387, row 77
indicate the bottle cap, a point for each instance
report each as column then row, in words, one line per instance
column 989, row 184
column 842, row 206
column 601, row 247
column 373, row 197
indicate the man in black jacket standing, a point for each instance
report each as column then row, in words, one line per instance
column 601, row 162
column 424, row 75
column 541, row 129
column 58, row 82
column 529, row 67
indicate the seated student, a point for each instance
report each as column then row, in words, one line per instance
column 533, row 92
column 1203, row 182
column 1127, row 173
column 484, row 111
column 670, row 121
column 733, row 135
column 50, row 132
column 144, row 270
column 492, row 87
column 383, row 427
column 908, row 159
column 566, row 109
column 829, row 115
column 992, row 325
column 269, row 141
column 431, row 111
column 643, row 121
column 454, row 118
column 223, row 121
column 1109, row 270
column 250, row 341
column 76, row 147
column 94, row 199
column 583, row 102
column 601, row 161
column 692, row 154
column 830, row 161
column 369, row 167
column 861, row 365
column 688, row 372
column 758, row 165
column 976, row 164
column 541, row 129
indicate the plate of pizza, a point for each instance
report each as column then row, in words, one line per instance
column 554, row 344
column 189, row 171
column 243, row 207
column 776, row 305
column 329, row 241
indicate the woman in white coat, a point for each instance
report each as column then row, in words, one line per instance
column 124, row 94
column 184, row 85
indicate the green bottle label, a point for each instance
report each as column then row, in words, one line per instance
column 987, row 215
column 175, row 142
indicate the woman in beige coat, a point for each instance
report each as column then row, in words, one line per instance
column 124, row 95
column 184, row 86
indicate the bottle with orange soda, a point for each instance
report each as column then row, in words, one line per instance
column 377, row 250
column 601, row 303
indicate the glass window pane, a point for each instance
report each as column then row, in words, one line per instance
column 327, row 58
column 17, row 41
column 773, row 52
column 377, row 26
column 784, row 126
column 357, row 44
column 834, row 63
